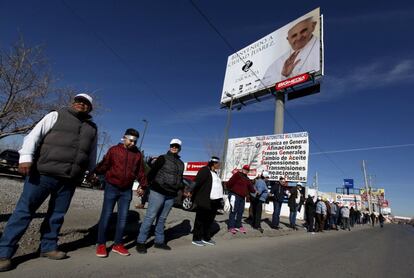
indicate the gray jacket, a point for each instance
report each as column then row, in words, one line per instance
column 321, row 208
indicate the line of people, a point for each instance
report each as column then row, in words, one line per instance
column 323, row 214
column 62, row 146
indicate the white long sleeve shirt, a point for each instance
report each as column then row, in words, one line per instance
column 309, row 61
column 32, row 140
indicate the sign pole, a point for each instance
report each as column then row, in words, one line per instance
column 279, row 112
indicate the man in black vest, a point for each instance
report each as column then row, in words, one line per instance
column 54, row 158
column 165, row 180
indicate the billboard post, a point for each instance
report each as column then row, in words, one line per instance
column 226, row 136
column 279, row 112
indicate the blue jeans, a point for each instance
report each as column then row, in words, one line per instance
column 292, row 215
column 236, row 213
column 277, row 206
column 114, row 195
column 35, row 191
column 332, row 222
column 159, row 206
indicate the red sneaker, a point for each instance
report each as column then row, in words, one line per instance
column 120, row 249
column 101, row 251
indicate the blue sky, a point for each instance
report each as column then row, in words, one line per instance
column 161, row 61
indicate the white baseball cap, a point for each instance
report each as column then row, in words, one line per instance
column 265, row 174
column 176, row 141
column 86, row 97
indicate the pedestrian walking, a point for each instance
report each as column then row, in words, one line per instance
column 54, row 158
column 208, row 197
column 238, row 185
column 165, row 179
column 122, row 164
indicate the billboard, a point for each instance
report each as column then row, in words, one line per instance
column 377, row 195
column 281, row 57
column 280, row 154
column 349, row 200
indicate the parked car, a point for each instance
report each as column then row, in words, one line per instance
column 181, row 201
column 9, row 161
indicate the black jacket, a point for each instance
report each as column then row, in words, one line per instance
column 202, row 188
column 310, row 207
column 166, row 174
column 277, row 191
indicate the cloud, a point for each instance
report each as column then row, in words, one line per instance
column 378, row 74
column 374, row 75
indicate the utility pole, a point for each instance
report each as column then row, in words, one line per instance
column 366, row 186
column 226, row 136
column 315, row 183
column 143, row 134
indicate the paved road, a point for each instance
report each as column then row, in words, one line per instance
column 365, row 252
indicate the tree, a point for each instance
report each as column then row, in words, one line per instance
column 26, row 92
column 214, row 145
column 104, row 142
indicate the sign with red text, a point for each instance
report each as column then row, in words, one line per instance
column 192, row 168
column 280, row 154
column 292, row 81
column 349, row 200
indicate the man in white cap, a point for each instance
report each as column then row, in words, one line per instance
column 54, row 158
column 165, row 180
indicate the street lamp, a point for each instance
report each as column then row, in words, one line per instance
column 226, row 136
column 143, row 134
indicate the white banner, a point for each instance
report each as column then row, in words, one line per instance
column 281, row 155
column 349, row 200
column 292, row 50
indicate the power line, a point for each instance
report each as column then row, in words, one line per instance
column 203, row 15
column 366, row 149
column 129, row 68
column 316, row 144
column 209, row 22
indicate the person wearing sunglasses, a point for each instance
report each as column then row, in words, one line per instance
column 54, row 158
column 165, row 179
column 122, row 164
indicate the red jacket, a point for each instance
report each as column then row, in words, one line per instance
column 122, row 166
column 240, row 184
